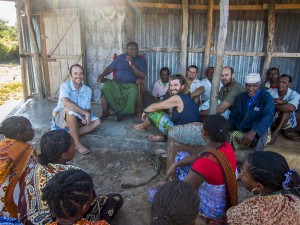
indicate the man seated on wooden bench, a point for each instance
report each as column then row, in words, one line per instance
column 121, row 93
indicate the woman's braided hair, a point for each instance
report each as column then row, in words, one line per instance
column 269, row 169
column 13, row 126
column 53, row 144
column 217, row 128
column 67, row 192
column 176, row 203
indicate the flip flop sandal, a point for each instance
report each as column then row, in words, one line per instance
column 292, row 134
column 138, row 127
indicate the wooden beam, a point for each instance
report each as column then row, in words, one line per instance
column 224, row 15
column 208, row 37
column 37, row 67
column 286, row 55
column 184, row 36
column 264, row 6
column 156, row 5
column 271, row 33
column 21, row 52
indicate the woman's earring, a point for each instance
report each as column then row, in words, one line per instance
column 256, row 191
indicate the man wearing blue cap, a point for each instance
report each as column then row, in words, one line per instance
column 252, row 115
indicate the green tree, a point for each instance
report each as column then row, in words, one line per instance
column 7, row 33
column 8, row 41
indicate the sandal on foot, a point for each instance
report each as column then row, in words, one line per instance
column 156, row 138
column 138, row 127
column 83, row 151
column 118, row 118
column 104, row 115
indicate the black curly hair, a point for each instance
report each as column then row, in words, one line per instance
column 67, row 192
column 13, row 126
column 176, row 203
column 53, row 144
column 217, row 128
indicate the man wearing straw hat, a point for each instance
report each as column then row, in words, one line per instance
column 251, row 115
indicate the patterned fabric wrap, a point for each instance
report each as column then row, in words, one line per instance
column 290, row 123
column 84, row 222
column 9, row 221
column 213, row 197
column 161, row 121
column 235, row 136
column 189, row 134
column 104, row 207
column 267, row 210
column 37, row 210
column 182, row 171
column 15, row 157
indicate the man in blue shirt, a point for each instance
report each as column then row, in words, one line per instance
column 120, row 94
column 252, row 115
column 73, row 111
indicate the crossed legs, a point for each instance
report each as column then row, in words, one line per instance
column 279, row 124
column 78, row 129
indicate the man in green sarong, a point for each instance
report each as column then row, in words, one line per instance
column 120, row 94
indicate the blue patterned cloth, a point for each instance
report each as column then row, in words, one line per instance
column 213, row 197
column 9, row 221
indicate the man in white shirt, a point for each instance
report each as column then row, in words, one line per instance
column 206, row 84
column 286, row 103
column 195, row 85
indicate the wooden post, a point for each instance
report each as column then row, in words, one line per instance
column 208, row 36
column 44, row 55
column 21, row 52
column 184, row 35
column 37, row 67
column 271, row 32
column 81, row 8
column 224, row 14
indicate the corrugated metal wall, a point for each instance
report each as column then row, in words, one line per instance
column 161, row 28
column 287, row 39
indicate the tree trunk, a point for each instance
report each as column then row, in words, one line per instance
column 208, row 36
column 271, row 32
column 224, row 14
column 184, row 36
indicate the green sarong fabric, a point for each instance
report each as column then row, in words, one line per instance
column 122, row 98
column 161, row 120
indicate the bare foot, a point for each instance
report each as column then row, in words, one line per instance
column 82, row 150
column 156, row 138
column 104, row 115
column 138, row 127
column 273, row 139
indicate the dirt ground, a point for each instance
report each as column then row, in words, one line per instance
column 110, row 168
